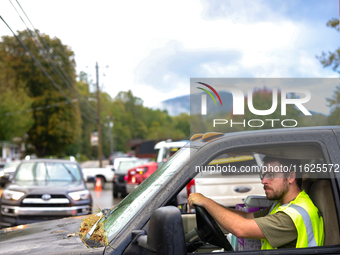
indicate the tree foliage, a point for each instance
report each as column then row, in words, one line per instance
column 56, row 123
column 133, row 120
column 332, row 59
column 14, row 102
column 59, row 112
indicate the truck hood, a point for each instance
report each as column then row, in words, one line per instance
column 48, row 237
column 53, row 187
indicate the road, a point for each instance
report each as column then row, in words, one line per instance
column 104, row 198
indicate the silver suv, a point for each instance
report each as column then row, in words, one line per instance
column 44, row 189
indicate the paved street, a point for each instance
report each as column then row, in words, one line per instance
column 104, row 198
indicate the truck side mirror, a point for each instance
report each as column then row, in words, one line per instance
column 8, row 177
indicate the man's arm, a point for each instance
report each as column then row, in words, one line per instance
column 241, row 213
column 240, row 224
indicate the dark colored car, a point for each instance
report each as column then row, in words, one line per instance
column 44, row 189
column 144, row 223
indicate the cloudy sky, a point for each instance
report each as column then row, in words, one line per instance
column 154, row 47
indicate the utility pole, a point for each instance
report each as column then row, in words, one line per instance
column 110, row 135
column 100, row 154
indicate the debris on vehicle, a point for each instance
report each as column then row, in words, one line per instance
column 70, row 235
column 98, row 238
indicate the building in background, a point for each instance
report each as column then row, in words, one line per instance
column 9, row 152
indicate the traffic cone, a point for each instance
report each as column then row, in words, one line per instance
column 98, row 186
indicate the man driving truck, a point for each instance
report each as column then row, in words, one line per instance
column 292, row 221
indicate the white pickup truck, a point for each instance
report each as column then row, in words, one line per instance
column 108, row 173
column 104, row 173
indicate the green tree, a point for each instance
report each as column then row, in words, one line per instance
column 56, row 119
column 82, row 145
column 133, row 120
column 332, row 59
column 182, row 125
column 334, row 102
column 15, row 107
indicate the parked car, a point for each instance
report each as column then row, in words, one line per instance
column 165, row 149
column 117, row 154
column 143, row 223
column 137, row 175
column 105, row 174
column 229, row 188
column 121, row 166
column 7, row 171
column 44, row 189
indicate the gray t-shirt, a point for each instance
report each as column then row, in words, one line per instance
column 278, row 228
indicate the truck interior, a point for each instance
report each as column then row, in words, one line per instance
column 193, row 230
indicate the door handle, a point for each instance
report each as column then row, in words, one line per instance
column 242, row 189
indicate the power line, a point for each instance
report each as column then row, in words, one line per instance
column 37, row 108
column 44, row 51
column 50, row 57
column 46, row 74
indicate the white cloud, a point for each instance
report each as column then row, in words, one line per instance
column 153, row 47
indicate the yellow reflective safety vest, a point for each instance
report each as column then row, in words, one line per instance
column 306, row 218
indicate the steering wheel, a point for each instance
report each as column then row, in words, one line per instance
column 209, row 231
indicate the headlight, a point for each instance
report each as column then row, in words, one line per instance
column 14, row 195
column 2, row 173
column 79, row 195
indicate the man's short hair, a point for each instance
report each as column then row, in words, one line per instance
column 292, row 164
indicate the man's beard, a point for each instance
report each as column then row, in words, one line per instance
column 278, row 194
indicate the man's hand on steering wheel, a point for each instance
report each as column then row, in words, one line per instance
column 197, row 199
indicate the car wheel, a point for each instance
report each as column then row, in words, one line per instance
column 114, row 192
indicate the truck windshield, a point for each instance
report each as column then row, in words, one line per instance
column 130, row 206
column 50, row 171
